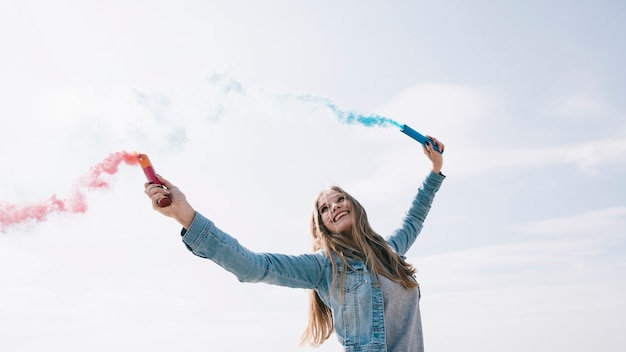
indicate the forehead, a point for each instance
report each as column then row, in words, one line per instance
column 329, row 194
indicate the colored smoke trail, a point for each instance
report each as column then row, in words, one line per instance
column 14, row 214
column 228, row 84
column 349, row 117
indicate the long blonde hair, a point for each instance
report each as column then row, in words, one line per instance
column 362, row 243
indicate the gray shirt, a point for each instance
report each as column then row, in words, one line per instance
column 403, row 323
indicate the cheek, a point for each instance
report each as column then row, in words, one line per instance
column 325, row 220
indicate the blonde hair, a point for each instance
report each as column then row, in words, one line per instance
column 362, row 243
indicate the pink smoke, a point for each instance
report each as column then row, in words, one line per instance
column 13, row 214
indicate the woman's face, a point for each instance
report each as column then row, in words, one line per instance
column 335, row 210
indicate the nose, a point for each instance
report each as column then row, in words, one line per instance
column 335, row 206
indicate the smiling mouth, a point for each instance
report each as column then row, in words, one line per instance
column 340, row 215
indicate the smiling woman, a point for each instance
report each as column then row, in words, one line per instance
column 360, row 285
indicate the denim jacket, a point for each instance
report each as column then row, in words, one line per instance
column 359, row 316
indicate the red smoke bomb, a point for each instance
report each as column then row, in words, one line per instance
column 148, row 169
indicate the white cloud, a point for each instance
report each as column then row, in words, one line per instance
column 454, row 112
column 581, row 104
column 589, row 157
column 597, row 223
column 497, row 294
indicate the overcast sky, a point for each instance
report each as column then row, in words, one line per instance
column 524, row 248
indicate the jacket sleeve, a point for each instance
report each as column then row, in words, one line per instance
column 402, row 239
column 205, row 240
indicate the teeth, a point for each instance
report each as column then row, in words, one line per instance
column 340, row 215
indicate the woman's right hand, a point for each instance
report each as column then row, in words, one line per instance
column 179, row 209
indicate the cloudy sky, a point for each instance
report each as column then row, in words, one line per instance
column 524, row 248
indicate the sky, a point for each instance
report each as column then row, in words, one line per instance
column 524, row 248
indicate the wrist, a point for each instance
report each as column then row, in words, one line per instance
column 437, row 166
column 186, row 217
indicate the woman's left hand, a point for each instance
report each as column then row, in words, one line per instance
column 435, row 157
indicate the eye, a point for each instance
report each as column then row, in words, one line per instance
column 340, row 199
column 323, row 209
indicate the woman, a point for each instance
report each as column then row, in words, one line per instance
column 361, row 286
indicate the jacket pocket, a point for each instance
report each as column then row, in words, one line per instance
column 356, row 275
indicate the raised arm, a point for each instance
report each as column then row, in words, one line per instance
column 402, row 239
column 205, row 240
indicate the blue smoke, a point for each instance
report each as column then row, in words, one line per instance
column 350, row 117
column 228, row 84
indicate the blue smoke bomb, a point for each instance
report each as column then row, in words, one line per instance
column 418, row 137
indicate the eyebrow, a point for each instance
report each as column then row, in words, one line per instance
column 323, row 199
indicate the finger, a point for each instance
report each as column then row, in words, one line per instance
column 151, row 187
column 428, row 148
column 155, row 198
column 437, row 142
column 157, row 191
column 148, row 188
column 440, row 145
column 165, row 182
column 426, row 152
